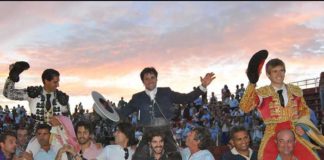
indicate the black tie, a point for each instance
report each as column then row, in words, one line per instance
column 48, row 101
column 282, row 101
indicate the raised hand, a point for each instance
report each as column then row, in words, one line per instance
column 54, row 121
column 209, row 77
column 299, row 131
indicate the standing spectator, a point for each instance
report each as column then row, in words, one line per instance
column 233, row 103
column 213, row 99
column 242, row 90
column 226, row 94
column 122, row 103
column 237, row 92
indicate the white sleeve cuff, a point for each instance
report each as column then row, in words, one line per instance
column 202, row 88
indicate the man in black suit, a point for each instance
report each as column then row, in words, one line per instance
column 155, row 106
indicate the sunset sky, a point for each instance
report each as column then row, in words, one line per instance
column 103, row 46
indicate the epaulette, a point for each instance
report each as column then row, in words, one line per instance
column 264, row 91
column 34, row 91
column 62, row 98
column 295, row 90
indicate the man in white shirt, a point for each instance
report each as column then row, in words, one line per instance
column 198, row 140
column 124, row 139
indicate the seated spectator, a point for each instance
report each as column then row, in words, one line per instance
column 8, row 145
column 225, row 127
column 286, row 143
column 240, row 142
column 257, row 133
column 124, row 139
column 205, row 118
column 198, row 142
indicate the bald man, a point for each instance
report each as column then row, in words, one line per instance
column 286, row 143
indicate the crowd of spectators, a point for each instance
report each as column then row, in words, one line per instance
column 219, row 116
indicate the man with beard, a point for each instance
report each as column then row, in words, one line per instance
column 240, row 141
column 157, row 147
column 89, row 149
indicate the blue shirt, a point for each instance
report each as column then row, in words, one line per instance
column 279, row 158
column 313, row 117
column 200, row 155
column 2, row 156
column 42, row 154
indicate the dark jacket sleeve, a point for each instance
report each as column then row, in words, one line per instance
column 229, row 156
column 182, row 98
column 131, row 107
column 225, row 156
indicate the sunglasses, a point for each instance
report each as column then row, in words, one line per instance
column 126, row 153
